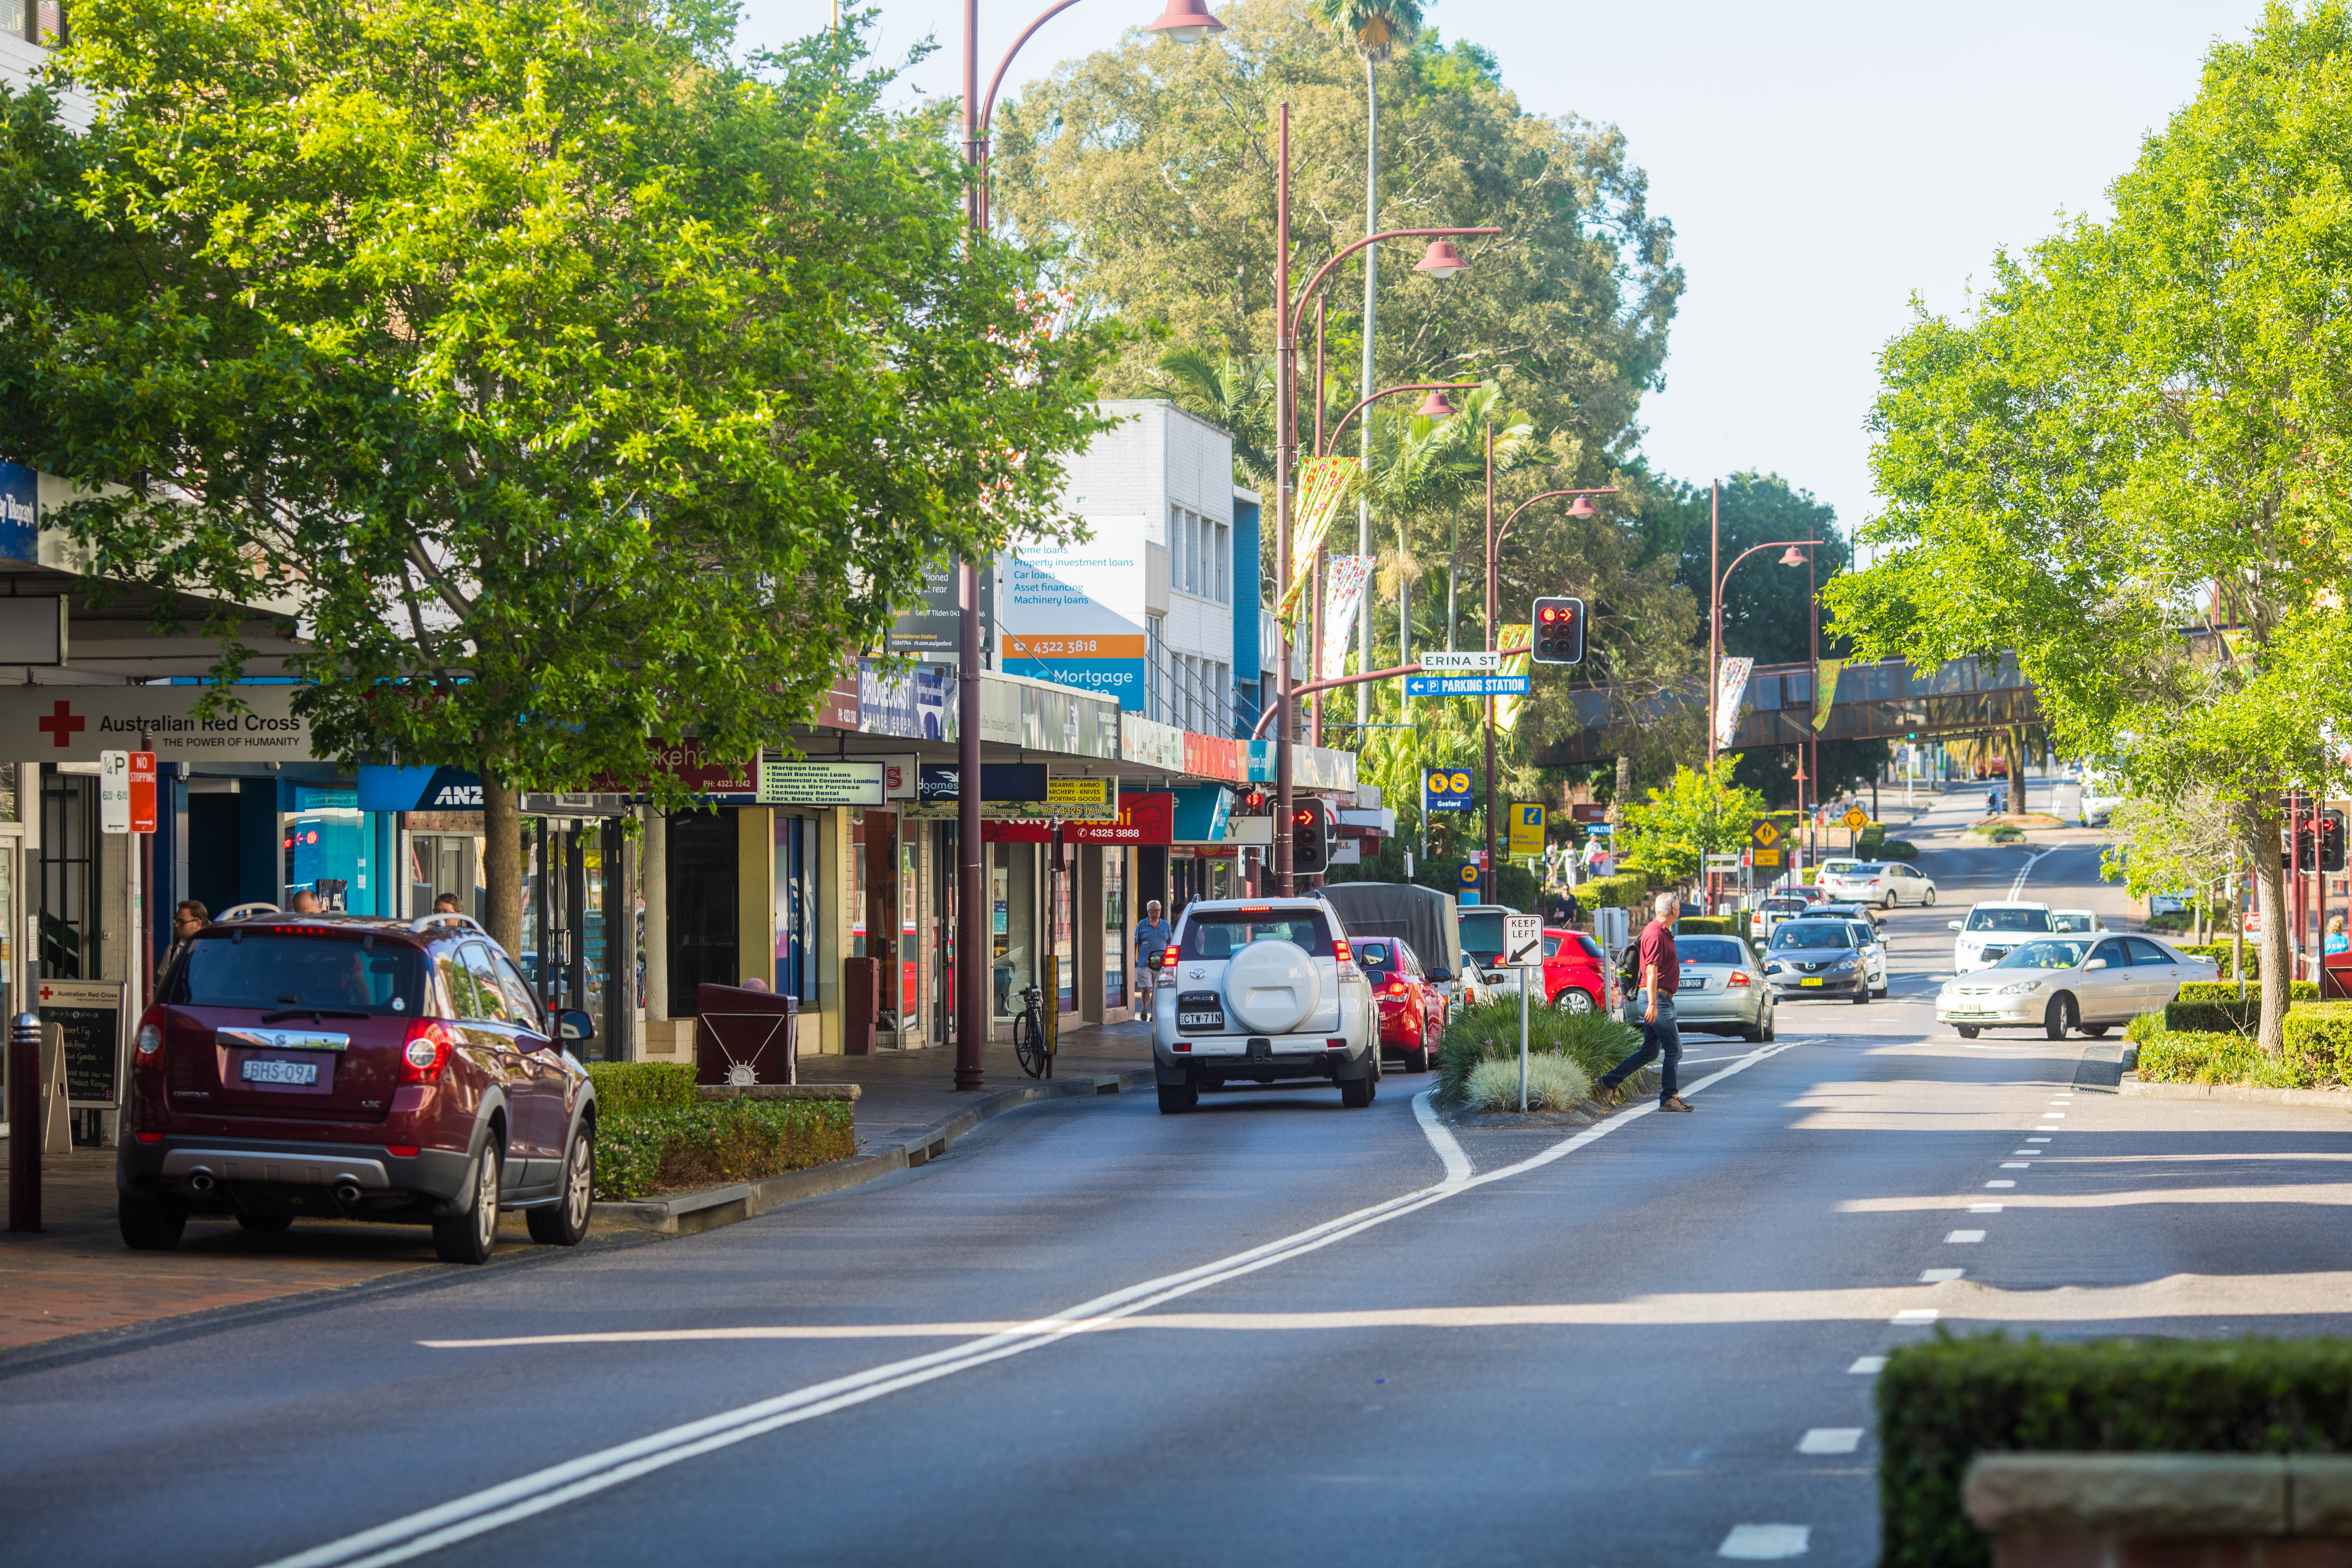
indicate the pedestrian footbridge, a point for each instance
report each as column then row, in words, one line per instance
column 1886, row 701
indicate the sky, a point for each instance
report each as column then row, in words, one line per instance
column 1823, row 163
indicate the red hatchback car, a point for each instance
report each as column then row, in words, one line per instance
column 1573, row 976
column 342, row 1067
column 1411, row 1009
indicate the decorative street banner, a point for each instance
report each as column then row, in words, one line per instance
column 1323, row 484
column 1517, row 644
column 1343, row 595
column 1730, row 690
column 1825, row 679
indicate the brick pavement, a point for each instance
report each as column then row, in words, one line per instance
column 75, row 1275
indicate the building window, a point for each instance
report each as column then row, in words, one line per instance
column 1224, row 558
column 68, row 877
column 1155, row 654
column 35, row 21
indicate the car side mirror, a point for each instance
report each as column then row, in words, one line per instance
column 1441, row 974
column 1954, row 924
column 2096, row 964
column 574, row 1025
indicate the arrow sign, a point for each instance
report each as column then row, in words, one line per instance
column 1465, row 685
column 1522, row 941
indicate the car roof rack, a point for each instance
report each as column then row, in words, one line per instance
column 239, row 911
column 422, row 921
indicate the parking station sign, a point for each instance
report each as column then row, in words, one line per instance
column 1465, row 685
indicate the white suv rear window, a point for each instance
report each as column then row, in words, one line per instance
column 1225, row 932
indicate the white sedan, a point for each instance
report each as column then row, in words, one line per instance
column 1885, row 883
column 2066, row 983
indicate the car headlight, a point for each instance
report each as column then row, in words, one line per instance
column 1840, row 966
column 2020, row 988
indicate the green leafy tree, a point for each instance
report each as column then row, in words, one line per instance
column 2139, row 430
column 1698, row 812
column 572, row 383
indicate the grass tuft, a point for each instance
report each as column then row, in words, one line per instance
column 1554, row 1083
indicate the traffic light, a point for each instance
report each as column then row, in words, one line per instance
column 1252, row 803
column 2331, row 840
column 1559, row 631
column 1312, row 832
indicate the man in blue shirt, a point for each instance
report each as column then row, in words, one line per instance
column 1152, row 936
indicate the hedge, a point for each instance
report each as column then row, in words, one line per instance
column 1625, row 890
column 1490, row 1032
column 2213, row 1006
column 629, row 1087
column 705, row 1143
column 1706, row 925
column 2319, row 1038
column 2219, row 952
column 1898, row 849
column 2181, row 1056
column 1942, row 1403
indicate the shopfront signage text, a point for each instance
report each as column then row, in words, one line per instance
column 821, row 783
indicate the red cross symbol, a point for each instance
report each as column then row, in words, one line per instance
column 46, row 993
column 64, row 724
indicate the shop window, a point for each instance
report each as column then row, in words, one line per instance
column 323, row 842
column 68, row 877
column 1115, row 940
column 797, row 938
column 704, row 876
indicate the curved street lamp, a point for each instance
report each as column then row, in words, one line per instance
column 1440, row 260
column 1187, row 22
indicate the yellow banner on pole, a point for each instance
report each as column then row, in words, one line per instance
column 1517, row 644
column 1825, row 680
column 1323, row 484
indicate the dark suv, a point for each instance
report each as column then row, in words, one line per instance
column 343, row 1066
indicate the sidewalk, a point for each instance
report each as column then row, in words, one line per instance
column 901, row 1093
column 75, row 1275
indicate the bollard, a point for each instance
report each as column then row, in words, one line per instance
column 25, row 1123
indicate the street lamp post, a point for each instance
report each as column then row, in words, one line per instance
column 1440, row 260
column 1434, row 406
column 1797, row 552
column 1491, row 884
column 1186, row 22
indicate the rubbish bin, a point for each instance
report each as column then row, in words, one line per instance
column 744, row 1037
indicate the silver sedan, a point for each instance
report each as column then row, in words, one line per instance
column 1723, row 988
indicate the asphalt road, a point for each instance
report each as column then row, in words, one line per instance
column 1273, row 1331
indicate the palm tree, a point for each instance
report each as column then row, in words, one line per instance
column 1375, row 27
column 1234, row 395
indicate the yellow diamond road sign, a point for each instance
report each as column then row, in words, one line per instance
column 1764, row 834
column 1856, row 819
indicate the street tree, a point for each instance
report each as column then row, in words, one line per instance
column 1696, row 813
column 2136, row 436
column 576, row 383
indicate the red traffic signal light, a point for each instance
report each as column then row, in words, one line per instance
column 1312, row 836
column 1558, row 630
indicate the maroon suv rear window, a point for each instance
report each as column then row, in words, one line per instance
column 270, row 972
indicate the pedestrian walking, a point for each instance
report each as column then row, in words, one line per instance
column 188, row 918
column 1152, row 937
column 1661, row 975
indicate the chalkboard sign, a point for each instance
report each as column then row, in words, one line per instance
column 90, row 1014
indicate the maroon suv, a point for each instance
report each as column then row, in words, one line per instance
column 342, row 1067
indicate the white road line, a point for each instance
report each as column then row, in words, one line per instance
column 1937, row 1276
column 2037, row 1140
column 1984, row 1208
column 1830, row 1440
column 1914, row 1317
column 2053, row 1116
column 2018, row 1164
column 1867, row 1365
column 1766, row 1542
column 1441, row 1137
column 1964, row 1236
column 2017, row 889
column 2004, row 1181
column 2027, row 1151
column 479, row 1512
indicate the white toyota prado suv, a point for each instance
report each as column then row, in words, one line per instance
column 1261, row 990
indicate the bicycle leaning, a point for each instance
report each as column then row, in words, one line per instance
column 1031, row 1044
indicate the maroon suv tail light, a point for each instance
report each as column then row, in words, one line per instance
column 426, row 1051
column 151, row 1037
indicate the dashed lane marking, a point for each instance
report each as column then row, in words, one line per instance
column 1937, row 1276
column 1963, row 1236
column 1830, row 1440
column 1867, row 1365
column 1766, row 1542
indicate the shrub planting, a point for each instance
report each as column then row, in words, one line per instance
column 676, row 1148
column 2214, row 1004
column 1898, row 849
column 1592, row 1042
column 631, row 1087
column 2181, row 1056
column 1706, row 925
column 1554, row 1083
column 1943, row 1403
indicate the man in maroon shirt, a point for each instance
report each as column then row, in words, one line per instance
column 1662, row 974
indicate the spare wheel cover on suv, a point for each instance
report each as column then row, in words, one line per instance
column 1272, row 987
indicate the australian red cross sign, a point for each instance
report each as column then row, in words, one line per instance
column 75, row 723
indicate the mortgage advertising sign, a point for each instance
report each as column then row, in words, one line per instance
column 1073, row 612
